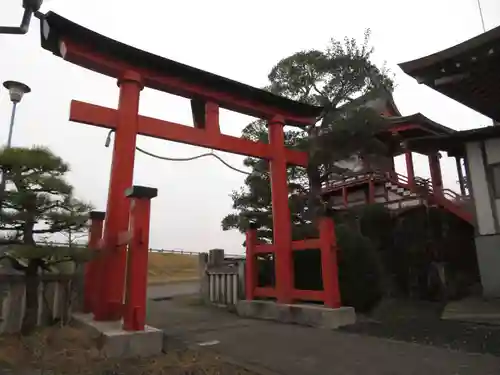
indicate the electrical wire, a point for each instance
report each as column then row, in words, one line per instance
column 481, row 14
column 193, row 158
column 211, row 153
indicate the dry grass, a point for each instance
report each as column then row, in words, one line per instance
column 69, row 350
column 165, row 268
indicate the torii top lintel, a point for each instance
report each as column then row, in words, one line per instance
column 101, row 54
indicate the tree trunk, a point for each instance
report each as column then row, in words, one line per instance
column 30, row 317
column 314, row 201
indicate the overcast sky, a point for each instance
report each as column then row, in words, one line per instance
column 239, row 40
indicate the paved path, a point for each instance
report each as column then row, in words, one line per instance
column 293, row 350
column 172, row 289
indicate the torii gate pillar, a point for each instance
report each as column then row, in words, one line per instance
column 134, row 314
column 282, row 229
column 92, row 268
column 117, row 212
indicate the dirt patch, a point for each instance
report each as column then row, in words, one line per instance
column 168, row 267
column 69, row 350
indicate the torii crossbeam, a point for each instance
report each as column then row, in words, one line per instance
column 135, row 69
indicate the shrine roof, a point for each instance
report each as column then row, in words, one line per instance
column 104, row 55
column 454, row 144
column 418, row 124
column 426, row 125
column 468, row 72
column 384, row 104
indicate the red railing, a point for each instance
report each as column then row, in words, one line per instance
column 401, row 179
column 350, row 180
column 447, row 198
column 326, row 243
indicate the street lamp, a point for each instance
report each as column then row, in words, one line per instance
column 30, row 7
column 16, row 93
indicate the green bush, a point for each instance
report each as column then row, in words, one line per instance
column 359, row 269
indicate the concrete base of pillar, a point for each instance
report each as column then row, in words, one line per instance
column 307, row 315
column 488, row 259
column 114, row 342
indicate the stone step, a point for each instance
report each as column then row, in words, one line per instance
column 402, row 191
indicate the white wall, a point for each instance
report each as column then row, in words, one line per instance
column 480, row 190
column 393, row 196
column 355, row 196
column 492, row 148
column 354, row 163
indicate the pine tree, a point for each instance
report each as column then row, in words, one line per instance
column 253, row 201
column 342, row 79
column 38, row 201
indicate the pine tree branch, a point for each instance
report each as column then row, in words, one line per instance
column 9, row 227
column 14, row 263
column 49, row 230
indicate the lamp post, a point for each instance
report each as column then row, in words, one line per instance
column 16, row 93
column 30, row 7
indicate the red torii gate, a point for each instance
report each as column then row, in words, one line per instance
column 134, row 69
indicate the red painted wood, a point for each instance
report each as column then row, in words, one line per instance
column 410, row 171
column 437, row 197
column 212, row 119
column 401, row 128
column 371, row 191
column 117, row 212
column 308, row 295
column 92, row 268
column 311, row 244
column 265, row 292
column 329, row 268
column 264, row 248
column 250, row 264
column 134, row 316
column 436, row 176
column 84, row 56
column 282, row 230
column 392, row 168
column 91, row 114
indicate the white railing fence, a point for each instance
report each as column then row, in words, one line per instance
column 223, row 288
column 221, row 278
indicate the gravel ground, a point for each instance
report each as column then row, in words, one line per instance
column 419, row 322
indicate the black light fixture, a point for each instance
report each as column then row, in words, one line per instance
column 30, row 7
column 16, row 90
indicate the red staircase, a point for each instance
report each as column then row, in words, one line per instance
column 448, row 199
